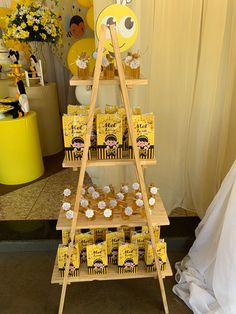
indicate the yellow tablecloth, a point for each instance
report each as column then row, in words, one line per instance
column 20, row 151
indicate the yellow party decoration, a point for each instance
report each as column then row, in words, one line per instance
column 90, row 18
column 126, row 25
column 85, row 3
column 3, row 16
column 84, row 45
column 19, row 46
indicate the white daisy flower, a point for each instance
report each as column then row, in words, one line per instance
column 95, row 195
column 139, row 195
column 91, row 189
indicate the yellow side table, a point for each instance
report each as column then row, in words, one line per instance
column 20, row 151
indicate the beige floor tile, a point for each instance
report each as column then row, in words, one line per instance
column 178, row 212
column 191, row 213
column 50, row 200
column 16, row 205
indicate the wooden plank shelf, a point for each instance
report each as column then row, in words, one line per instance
column 158, row 216
column 111, row 275
column 107, row 162
column 74, row 81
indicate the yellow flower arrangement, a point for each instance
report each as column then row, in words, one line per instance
column 33, row 22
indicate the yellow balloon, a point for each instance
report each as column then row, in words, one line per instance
column 126, row 25
column 85, row 3
column 3, row 13
column 83, row 45
column 90, row 18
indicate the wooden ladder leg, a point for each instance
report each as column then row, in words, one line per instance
column 97, row 73
column 137, row 161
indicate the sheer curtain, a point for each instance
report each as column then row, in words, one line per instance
column 189, row 57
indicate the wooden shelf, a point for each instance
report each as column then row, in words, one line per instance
column 107, row 162
column 74, row 81
column 159, row 217
column 111, row 275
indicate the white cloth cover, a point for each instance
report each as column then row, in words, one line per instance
column 24, row 103
column 207, row 275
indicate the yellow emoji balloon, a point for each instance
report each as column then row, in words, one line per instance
column 126, row 25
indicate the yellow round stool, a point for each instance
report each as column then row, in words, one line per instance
column 20, row 152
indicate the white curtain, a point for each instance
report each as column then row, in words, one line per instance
column 206, row 277
column 189, row 56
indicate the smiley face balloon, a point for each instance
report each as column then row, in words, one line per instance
column 126, row 25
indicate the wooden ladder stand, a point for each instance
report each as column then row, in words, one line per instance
column 139, row 169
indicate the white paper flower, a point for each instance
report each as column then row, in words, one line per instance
column 69, row 214
column 154, row 190
column 81, row 64
column 89, row 213
column 135, row 186
column 151, row 201
column 124, row 189
column 139, row 195
column 127, row 60
column 101, row 205
column 95, row 195
column 128, row 211
column 106, row 189
column 139, row 202
column 134, row 64
column 84, row 202
column 113, row 203
column 107, row 212
column 105, row 62
column 91, row 189
column 67, row 192
column 66, row 205
column 120, row 196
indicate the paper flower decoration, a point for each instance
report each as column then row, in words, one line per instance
column 139, row 202
column 113, row 203
column 89, row 213
column 69, row 214
column 66, row 205
column 33, row 22
column 128, row 211
column 107, row 213
column 101, row 205
column 106, row 189
column 124, row 189
column 135, row 186
column 139, row 195
column 91, row 189
column 82, row 60
column 84, row 202
column 120, row 196
column 151, row 201
column 95, row 195
column 154, row 190
column 67, row 192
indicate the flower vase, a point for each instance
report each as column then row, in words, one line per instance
column 37, row 51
